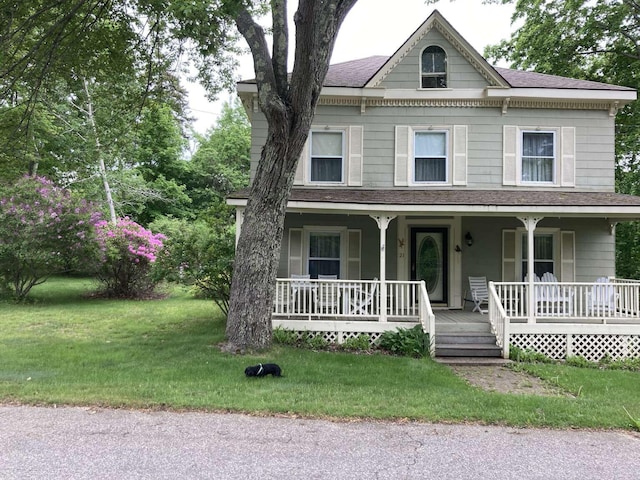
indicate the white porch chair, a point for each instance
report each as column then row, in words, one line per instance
column 361, row 300
column 479, row 294
column 302, row 293
column 553, row 297
column 328, row 295
column 602, row 299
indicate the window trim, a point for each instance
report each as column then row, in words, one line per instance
column 448, row 160
column 434, row 74
column 556, row 155
column 521, row 238
column 307, row 230
column 310, row 156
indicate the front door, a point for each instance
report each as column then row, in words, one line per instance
column 429, row 261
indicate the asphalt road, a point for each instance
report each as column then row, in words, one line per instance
column 87, row 443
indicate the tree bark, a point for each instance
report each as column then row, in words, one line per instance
column 289, row 105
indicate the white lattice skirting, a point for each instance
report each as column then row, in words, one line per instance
column 337, row 337
column 592, row 347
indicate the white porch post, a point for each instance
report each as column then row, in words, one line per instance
column 239, row 220
column 383, row 223
column 530, row 224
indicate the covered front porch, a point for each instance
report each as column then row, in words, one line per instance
column 591, row 320
column 359, row 260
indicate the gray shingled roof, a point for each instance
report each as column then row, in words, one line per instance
column 458, row 197
column 356, row 74
column 522, row 79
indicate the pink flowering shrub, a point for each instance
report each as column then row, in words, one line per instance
column 44, row 231
column 126, row 253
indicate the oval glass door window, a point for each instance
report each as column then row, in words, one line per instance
column 429, row 263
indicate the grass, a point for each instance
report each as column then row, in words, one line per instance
column 67, row 348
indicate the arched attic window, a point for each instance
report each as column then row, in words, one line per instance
column 434, row 67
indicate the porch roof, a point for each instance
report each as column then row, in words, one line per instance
column 459, row 202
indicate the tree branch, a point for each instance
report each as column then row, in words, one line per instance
column 270, row 102
column 280, row 46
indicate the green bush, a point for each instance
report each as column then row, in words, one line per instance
column 284, row 336
column 44, row 231
column 314, row 341
column 580, row 362
column 408, row 342
column 361, row 343
column 199, row 254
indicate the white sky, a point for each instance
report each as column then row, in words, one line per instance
column 380, row 27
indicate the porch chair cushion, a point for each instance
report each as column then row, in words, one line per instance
column 479, row 293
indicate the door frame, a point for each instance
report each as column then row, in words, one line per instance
column 413, row 245
column 454, row 256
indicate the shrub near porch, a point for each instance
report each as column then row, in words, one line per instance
column 65, row 348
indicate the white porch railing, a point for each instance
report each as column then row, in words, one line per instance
column 572, row 318
column 348, row 305
column 498, row 320
column 603, row 302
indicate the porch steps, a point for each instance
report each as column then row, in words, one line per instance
column 473, row 339
column 474, row 361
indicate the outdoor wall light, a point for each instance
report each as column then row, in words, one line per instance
column 468, row 238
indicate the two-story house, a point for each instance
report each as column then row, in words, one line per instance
column 429, row 167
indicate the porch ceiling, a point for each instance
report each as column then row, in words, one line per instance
column 612, row 205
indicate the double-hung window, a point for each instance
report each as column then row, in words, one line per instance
column 543, row 254
column 538, row 156
column 324, row 253
column 327, row 157
column 430, row 156
column 434, row 67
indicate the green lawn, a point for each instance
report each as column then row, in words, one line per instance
column 67, row 348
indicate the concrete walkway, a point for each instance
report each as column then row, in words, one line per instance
column 88, row 443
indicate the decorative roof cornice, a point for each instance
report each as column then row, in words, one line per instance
column 363, row 103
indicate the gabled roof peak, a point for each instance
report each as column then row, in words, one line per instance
column 437, row 21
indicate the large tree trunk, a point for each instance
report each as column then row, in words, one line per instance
column 289, row 106
column 258, row 250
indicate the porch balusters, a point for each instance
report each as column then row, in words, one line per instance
column 574, row 302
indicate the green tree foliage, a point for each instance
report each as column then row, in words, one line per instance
column 199, row 254
column 220, row 164
column 158, row 158
column 597, row 41
column 44, row 231
column 42, row 42
column 81, row 82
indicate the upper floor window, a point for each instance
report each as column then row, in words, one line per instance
column 430, row 156
column 327, row 157
column 538, row 156
column 535, row 155
column 434, row 67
